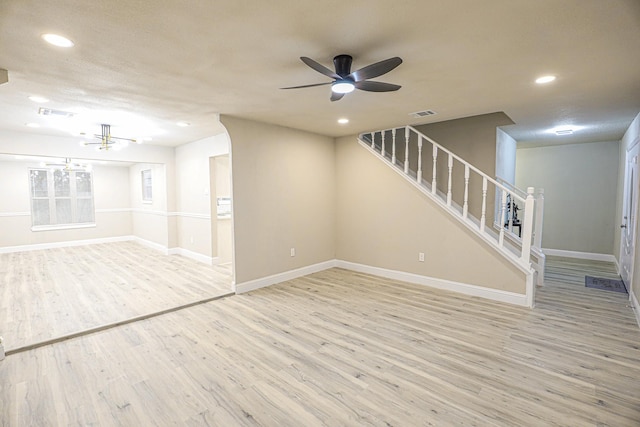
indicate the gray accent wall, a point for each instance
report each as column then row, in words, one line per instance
column 580, row 184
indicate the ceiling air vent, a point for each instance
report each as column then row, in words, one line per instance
column 421, row 114
column 56, row 113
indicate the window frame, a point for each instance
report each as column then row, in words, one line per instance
column 146, row 198
column 51, row 197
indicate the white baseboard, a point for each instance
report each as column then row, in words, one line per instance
column 582, row 255
column 149, row 244
column 283, row 277
column 463, row 288
column 635, row 305
column 152, row 245
column 40, row 246
column 194, row 256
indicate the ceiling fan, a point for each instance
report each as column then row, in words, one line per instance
column 346, row 81
column 108, row 141
column 68, row 165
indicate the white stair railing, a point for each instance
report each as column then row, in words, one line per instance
column 462, row 189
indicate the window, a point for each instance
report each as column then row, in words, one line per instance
column 61, row 198
column 147, row 187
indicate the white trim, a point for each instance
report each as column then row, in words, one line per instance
column 62, row 226
column 114, row 210
column 152, row 245
column 190, row 215
column 168, row 214
column 635, row 305
column 463, row 288
column 283, row 277
column 11, row 214
column 149, row 212
column 194, row 255
column 39, row 246
column 582, row 255
column 615, row 260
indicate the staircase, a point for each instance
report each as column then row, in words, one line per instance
column 508, row 219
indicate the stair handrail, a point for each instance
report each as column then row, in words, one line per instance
column 528, row 201
column 513, row 188
column 449, row 152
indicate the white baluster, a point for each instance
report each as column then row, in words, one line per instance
column 465, row 206
column 382, row 144
column 434, row 181
column 450, row 165
column 510, row 213
column 528, row 225
column 537, row 234
column 373, row 140
column 419, row 173
column 503, row 210
column 393, row 147
column 483, row 216
column 406, row 150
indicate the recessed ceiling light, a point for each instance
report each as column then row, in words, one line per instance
column 57, row 40
column 545, row 79
column 39, row 99
column 183, row 124
column 564, row 130
column 32, row 125
column 343, row 121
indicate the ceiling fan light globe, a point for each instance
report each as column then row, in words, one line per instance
column 342, row 86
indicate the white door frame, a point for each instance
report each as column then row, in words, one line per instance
column 629, row 219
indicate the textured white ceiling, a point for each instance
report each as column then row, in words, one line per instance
column 144, row 65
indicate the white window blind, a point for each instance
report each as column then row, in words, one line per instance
column 61, row 197
column 147, row 186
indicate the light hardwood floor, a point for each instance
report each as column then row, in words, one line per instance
column 339, row 348
column 50, row 293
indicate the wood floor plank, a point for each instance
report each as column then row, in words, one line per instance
column 51, row 293
column 339, row 348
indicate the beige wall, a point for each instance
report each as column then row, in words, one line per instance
column 580, row 184
column 222, row 232
column 111, row 198
column 474, row 140
column 283, row 197
column 385, row 222
column 150, row 221
column 194, row 194
column 506, row 157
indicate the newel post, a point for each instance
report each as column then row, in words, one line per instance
column 406, row 150
column 393, row 148
column 528, row 225
column 537, row 231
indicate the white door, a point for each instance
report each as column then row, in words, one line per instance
column 629, row 216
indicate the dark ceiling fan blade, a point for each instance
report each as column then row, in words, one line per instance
column 376, row 86
column 336, row 96
column 303, row 86
column 319, row 67
column 375, row 70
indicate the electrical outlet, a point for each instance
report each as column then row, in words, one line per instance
column 191, row 239
column 421, row 256
column 293, row 251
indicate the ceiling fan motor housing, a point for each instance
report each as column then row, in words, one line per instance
column 342, row 64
